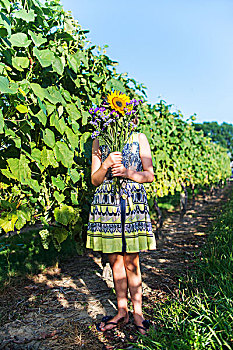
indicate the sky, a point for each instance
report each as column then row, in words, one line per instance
column 182, row 50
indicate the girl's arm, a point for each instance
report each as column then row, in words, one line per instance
column 147, row 175
column 98, row 170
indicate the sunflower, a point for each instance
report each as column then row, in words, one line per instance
column 117, row 101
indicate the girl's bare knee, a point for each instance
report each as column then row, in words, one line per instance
column 131, row 267
column 116, row 260
column 131, row 262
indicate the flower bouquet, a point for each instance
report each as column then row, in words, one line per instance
column 113, row 121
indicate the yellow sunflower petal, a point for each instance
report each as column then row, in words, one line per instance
column 117, row 100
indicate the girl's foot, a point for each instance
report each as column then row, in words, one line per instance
column 113, row 322
column 141, row 324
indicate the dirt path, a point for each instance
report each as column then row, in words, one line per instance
column 57, row 309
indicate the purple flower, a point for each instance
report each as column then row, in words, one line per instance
column 106, row 116
column 134, row 102
column 108, row 122
column 114, row 112
column 95, row 134
column 101, row 115
column 131, row 125
column 94, row 123
column 128, row 113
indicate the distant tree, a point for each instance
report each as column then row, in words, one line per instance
column 221, row 134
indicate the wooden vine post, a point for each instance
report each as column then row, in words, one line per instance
column 183, row 200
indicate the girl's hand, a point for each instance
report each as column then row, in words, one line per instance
column 114, row 158
column 119, row 170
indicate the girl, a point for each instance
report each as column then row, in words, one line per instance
column 119, row 222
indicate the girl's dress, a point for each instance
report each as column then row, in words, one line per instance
column 120, row 222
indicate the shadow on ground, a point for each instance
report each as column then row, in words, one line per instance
column 57, row 309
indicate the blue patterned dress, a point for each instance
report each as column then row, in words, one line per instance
column 120, row 222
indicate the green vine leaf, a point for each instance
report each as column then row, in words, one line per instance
column 22, row 108
column 38, row 39
column 6, row 4
column 20, row 40
column 4, row 21
column 58, row 182
column 64, row 214
column 7, row 223
column 48, row 158
column 20, row 63
column 28, row 16
column 45, row 57
column 49, row 137
column 63, row 154
column 59, row 197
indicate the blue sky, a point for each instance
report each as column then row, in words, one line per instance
column 182, row 50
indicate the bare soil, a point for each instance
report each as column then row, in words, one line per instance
column 59, row 307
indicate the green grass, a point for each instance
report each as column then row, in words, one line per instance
column 23, row 253
column 202, row 316
column 170, row 202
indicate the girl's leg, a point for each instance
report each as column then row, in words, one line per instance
column 120, row 282
column 132, row 267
